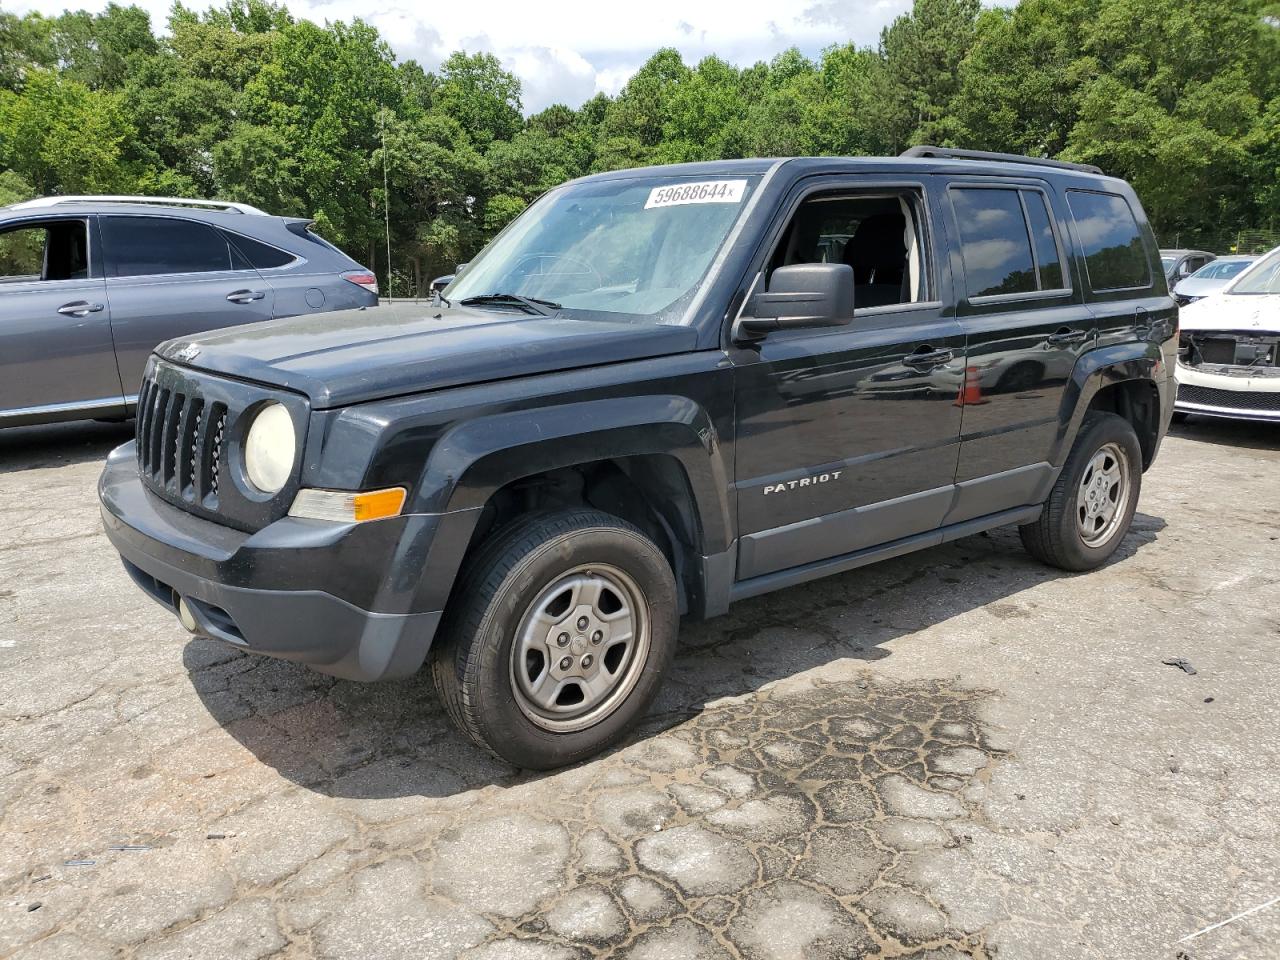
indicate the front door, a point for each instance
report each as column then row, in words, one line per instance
column 171, row 277
column 56, row 356
column 848, row 437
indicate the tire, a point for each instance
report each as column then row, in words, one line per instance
column 498, row 664
column 1075, row 531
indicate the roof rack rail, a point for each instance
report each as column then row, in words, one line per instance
column 950, row 153
column 154, row 201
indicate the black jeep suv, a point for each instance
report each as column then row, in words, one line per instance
column 656, row 392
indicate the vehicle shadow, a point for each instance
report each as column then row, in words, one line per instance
column 1250, row 434
column 368, row 741
column 58, row 444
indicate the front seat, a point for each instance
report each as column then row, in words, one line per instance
column 878, row 255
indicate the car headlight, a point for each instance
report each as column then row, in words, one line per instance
column 270, row 448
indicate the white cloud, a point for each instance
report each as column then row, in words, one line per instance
column 570, row 49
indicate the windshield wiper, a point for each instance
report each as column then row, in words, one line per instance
column 543, row 308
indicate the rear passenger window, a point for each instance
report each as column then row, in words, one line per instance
column 249, row 253
column 994, row 242
column 146, row 246
column 1113, row 251
column 1043, row 236
column 1008, row 241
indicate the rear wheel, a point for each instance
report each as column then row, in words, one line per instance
column 563, row 627
column 1091, row 506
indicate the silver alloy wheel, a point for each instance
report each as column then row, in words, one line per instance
column 1102, row 499
column 580, row 648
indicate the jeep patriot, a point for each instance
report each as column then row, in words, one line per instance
column 656, row 392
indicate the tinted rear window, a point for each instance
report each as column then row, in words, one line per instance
column 1112, row 242
column 146, row 246
column 261, row 256
column 994, row 242
column 1043, row 235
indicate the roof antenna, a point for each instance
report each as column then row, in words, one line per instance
column 386, row 200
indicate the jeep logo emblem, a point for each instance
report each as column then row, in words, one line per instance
column 788, row 485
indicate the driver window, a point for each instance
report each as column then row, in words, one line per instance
column 879, row 235
column 57, row 250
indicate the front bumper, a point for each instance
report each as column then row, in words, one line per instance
column 278, row 592
column 1232, row 396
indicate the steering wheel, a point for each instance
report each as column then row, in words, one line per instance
column 568, row 257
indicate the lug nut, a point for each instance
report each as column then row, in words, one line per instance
column 582, row 623
column 597, row 637
column 566, row 663
column 586, row 661
column 563, row 640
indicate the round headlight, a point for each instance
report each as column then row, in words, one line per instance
column 269, row 449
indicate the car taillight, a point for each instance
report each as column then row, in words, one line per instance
column 362, row 278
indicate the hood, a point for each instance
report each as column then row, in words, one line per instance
column 1191, row 287
column 351, row 356
column 1240, row 312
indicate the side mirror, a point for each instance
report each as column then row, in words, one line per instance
column 460, row 267
column 802, row 295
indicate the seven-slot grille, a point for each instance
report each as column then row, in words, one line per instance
column 180, row 442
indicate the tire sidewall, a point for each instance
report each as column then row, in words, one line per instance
column 509, row 732
column 1104, row 430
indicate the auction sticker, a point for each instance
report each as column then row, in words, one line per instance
column 704, row 191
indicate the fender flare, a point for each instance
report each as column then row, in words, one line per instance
column 1103, row 367
column 477, row 457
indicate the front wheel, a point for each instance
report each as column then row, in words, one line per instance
column 1092, row 503
column 564, row 626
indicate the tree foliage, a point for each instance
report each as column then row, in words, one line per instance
column 246, row 102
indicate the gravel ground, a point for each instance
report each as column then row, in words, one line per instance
column 953, row 754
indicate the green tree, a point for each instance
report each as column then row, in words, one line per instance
column 482, row 97
column 62, row 137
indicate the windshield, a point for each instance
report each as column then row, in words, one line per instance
column 1262, row 278
column 1167, row 263
column 628, row 249
column 1220, row 270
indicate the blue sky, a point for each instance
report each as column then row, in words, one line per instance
column 567, row 50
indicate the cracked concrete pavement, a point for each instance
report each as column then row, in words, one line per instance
column 953, row 754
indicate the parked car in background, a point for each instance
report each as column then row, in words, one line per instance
column 439, row 283
column 90, row 285
column 1210, row 279
column 1180, row 264
column 1229, row 350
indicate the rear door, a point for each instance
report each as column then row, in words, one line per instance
column 168, row 276
column 1025, row 325
column 55, row 326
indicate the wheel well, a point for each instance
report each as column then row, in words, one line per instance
column 1138, row 402
column 652, row 492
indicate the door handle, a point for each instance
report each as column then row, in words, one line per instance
column 925, row 357
column 245, row 296
column 79, row 308
column 1066, row 335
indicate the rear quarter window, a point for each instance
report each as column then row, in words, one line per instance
column 1111, row 240
column 254, row 253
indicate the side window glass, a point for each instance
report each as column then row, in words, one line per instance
column 1111, row 240
column 994, row 242
column 56, row 250
column 247, row 253
column 1044, row 237
column 881, row 236
column 148, row 246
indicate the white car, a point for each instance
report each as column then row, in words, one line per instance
column 1229, row 352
